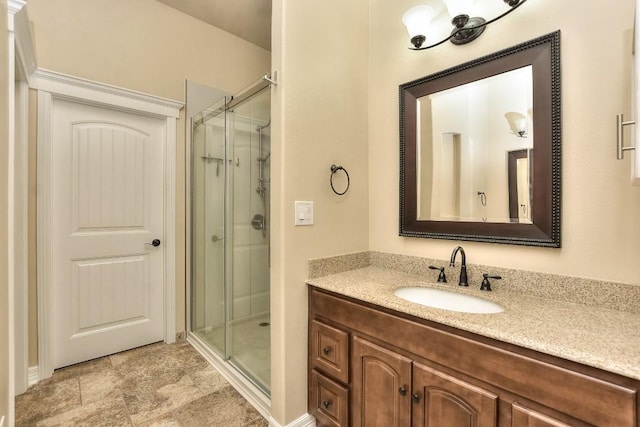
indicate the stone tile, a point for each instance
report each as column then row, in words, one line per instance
column 157, row 385
column 182, row 356
column 259, row 422
column 224, row 408
column 166, row 420
column 97, row 386
column 163, row 361
column 147, row 401
column 49, row 397
column 92, row 366
column 208, row 380
column 138, row 372
column 104, row 413
column 124, row 356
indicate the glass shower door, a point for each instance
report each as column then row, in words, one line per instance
column 208, row 311
column 230, row 292
column 248, row 338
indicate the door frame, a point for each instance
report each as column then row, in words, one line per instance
column 52, row 86
column 22, row 64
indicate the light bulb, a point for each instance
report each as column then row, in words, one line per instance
column 417, row 20
column 521, row 126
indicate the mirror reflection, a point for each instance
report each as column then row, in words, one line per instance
column 480, row 148
column 475, row 142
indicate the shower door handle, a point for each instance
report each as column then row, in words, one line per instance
column 154, row 242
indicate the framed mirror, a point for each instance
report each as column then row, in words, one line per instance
column 480, row 149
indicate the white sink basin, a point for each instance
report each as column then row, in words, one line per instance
column 446, row 300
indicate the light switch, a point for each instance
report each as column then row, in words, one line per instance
column 304, row 213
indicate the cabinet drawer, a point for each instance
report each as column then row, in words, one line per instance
column 329, row 401
column 330, row 350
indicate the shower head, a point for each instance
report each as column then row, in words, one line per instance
column 264, row 159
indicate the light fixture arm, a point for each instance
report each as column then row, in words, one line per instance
column 514, row 5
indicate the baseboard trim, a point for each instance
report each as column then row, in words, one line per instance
column 307, row 420
column 33, row 376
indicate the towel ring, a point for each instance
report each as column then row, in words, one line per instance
column 483, row 198
column 335, row 169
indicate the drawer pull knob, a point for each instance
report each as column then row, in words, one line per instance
column 415, row 397
column 326, row 350
column 403, row 390
column 326, row 404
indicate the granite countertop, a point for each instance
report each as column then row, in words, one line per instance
column 599, row 337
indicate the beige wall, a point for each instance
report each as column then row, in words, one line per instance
column 600, row 209
column 5, row 348
column 319, row 113
column 145, row 46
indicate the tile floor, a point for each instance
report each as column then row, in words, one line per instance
column 156, row 385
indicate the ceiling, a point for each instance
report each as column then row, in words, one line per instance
column 247, row 19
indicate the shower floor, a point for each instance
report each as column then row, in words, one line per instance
column 250, row 347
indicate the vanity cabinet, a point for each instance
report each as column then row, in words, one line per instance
column 393, row 390
column 371, row 366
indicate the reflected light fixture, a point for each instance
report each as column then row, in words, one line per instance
column 466, row 28
column 517, row 123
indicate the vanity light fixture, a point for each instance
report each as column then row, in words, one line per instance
column 466, row 28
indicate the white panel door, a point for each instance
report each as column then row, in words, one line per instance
column 107, row 207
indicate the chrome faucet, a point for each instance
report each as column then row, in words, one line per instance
column 463, row 268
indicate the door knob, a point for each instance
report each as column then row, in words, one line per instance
column 154, row 242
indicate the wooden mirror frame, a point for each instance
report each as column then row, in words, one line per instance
column 543, row 54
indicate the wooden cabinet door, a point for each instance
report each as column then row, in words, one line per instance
column 446, row 401
column 381, row 386
column 525, row 417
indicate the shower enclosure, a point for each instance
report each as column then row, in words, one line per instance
column 229, row 290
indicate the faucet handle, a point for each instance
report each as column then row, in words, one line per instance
column 486, row 286
column 441, row 277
